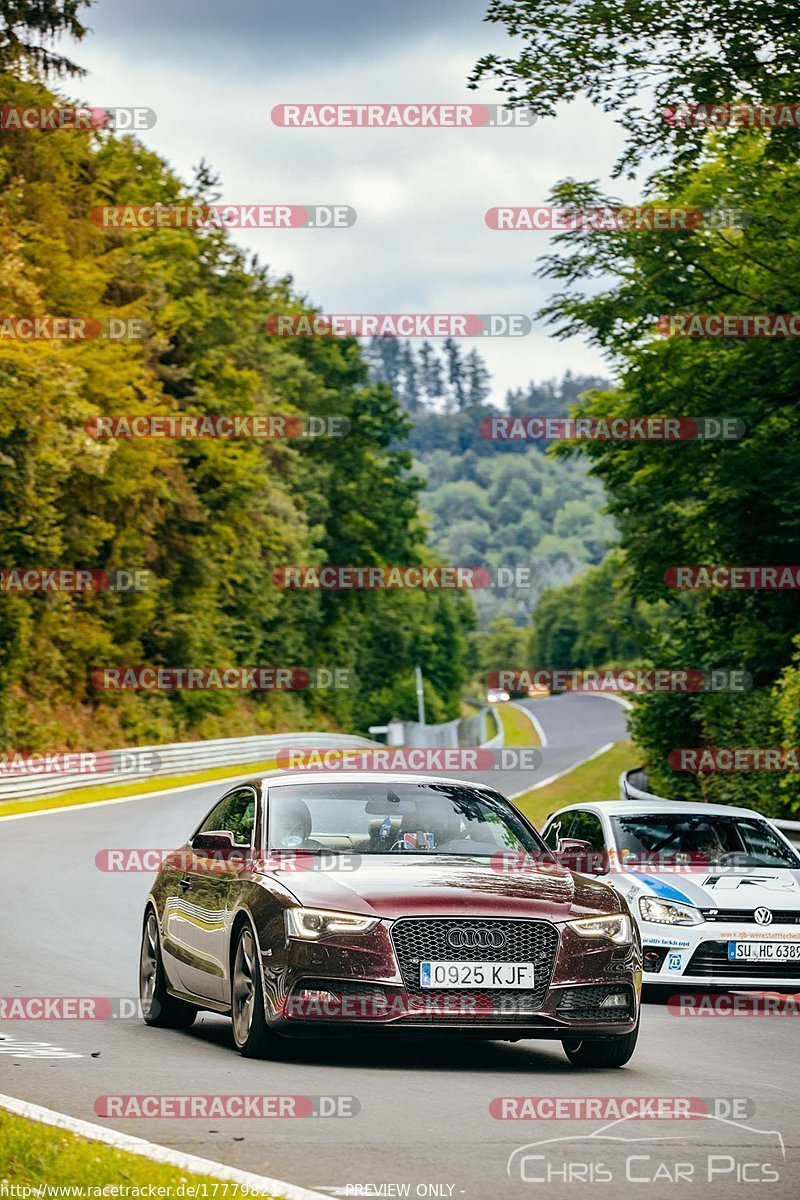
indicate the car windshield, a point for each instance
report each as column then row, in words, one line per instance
column 717, row 840
column 396, row 818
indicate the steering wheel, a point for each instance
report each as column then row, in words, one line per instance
column 738, row 858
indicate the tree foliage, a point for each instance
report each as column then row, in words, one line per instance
column 701, row 502
column 28, row 28
column 210, row 519
column 638, row 57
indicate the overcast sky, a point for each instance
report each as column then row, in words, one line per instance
column 213, row 72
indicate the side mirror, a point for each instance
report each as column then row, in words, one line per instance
column 577, row 855
column 217, row 841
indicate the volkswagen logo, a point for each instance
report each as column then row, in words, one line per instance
column 763, row 916
column 476, row 939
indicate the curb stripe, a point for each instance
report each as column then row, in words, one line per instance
column 160, row 1154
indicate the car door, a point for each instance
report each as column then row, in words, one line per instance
column 199, row 922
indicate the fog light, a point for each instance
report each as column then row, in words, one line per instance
column 318, row 994
column 654, row 957
column 615, row 1000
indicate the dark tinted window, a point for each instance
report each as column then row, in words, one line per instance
column 557, row 830
column 236, row 814
column 588, row 827
column 718, row 840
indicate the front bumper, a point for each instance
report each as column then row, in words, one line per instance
column 697, row 956
column 369, row 983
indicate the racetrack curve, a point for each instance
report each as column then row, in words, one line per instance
column 424, row 1120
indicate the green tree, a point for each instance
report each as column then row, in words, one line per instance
column 210, row 519
column 29, row 27
column 701, row 501
column 636, row 59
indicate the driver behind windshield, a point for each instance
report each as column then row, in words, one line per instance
column 434, row 824
column 292, row 826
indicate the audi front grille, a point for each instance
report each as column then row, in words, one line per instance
column 417, row 939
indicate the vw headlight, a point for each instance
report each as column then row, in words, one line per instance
column 311, row 924
column 616, row 928
column 662, row 913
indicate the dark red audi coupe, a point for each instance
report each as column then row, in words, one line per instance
column 325, row 902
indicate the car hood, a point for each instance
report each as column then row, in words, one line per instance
column 755, row 887
column 396, row 886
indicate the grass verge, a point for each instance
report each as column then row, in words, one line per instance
column 518, row 730
column 594, row 780
column 36, row 1155
column 110, row 791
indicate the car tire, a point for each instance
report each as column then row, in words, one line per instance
column 251, row 1034
column 610, row 1052
column 158, row 1007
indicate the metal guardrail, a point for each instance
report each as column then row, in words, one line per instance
column 630, row 790
column 137, row 764
column 462, row 732
column 140, row 763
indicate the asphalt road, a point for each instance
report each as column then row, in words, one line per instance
column 424, row 1119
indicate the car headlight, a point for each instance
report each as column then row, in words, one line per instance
column 616, row 928
column 311, row 924
column 662, row 913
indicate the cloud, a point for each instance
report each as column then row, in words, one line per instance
column 420, row 243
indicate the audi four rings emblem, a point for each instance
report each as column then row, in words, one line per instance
column 763, row 916
column 476, row 939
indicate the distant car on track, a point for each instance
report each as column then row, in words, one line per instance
column 327, row 902
column 715, row 890
column 497, row 695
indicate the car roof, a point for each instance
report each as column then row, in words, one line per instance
column 390, row 778
column 652, row 807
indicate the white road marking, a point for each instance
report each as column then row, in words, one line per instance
column 13, row 1048
column 560, row 775
column 535, row 722
column 185, row 787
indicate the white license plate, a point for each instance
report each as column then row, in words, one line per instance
column 455, row 974
column 764, row 951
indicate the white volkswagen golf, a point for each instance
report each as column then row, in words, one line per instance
column 715, row 890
